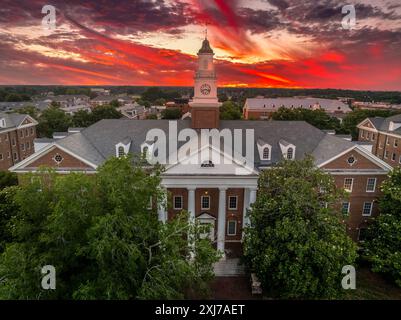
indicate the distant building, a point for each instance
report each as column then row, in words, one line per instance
column 103, row 100
column 101, row 91
column 17, row 133
column 385, row 136
column 74, row 109
column 70, row 100
column 133, row 111
column 374, row 105
column 263, row 108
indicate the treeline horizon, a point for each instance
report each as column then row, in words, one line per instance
column 17, row 93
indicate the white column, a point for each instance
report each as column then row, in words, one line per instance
column 252, row 199
column 221, row 224
column 191, row 204
column 246, row 207
column 161, row 207
column 191, row 220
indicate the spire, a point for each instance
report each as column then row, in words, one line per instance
column 205, row 45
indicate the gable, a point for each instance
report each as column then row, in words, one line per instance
column 26, row 121
column 209, row 161
column 367, row 124
column 361, row 162
column 52, row 157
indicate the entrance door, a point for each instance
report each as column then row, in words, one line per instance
column 207, row 219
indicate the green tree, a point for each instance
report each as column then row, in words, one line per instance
column 82, row 119
column 7, row 179
column 352, row 119
column 103, row 240
column 383, row 243
column 171, row 113
column 104, row 112
column 230, row 111
column 53, row 120
column 31, row 110
column 296, row 244
column 115, row 103
column 318, row 118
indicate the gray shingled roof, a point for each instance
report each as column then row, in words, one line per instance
column 296, row 102
column 12, row 120
column 383, row 124
column 97, row 142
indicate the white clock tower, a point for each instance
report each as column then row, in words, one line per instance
column 205, row 105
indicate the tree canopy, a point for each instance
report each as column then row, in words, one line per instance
column 230, row 111
column 102, row 237
column 383, row 243
column 297, row 242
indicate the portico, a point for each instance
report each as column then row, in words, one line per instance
column 222, row 201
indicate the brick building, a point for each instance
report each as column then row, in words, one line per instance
column 217, row 182
column 263, row 108
column 17, row 132
column 384, row 134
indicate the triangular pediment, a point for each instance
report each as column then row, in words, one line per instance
column 209, row 160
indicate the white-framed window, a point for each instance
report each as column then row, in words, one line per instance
column 28, row 145
column 395, row 143
column 31, row 130
column 1, row 156
column 345, row 207
column 8, row 154
column 15, row 156
column 371, row 185
column 386, row 154
column 380, row 145
column 368, row 136
column 231, row 227
column 388, row 141
column 290, row 153
column 205, row 202
column 393, row 156
column 21, row 133
column 362, row 134
column 373, row 136
column 367, row 208
column 13, row 142
column 26, row 133
column 348, row 183
column 232, row 202
column 178, row 202
column 22, row 146
column 266, row 153
column 121, row 151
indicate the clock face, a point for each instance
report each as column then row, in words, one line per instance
column 205, row 89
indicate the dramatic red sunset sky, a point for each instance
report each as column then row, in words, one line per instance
column 258, row 43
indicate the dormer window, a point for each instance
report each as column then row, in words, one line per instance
column 121, row 151
column 122, row 148
column 266, row 153
column 290, row 153
column 287, row 149
column 264, row 150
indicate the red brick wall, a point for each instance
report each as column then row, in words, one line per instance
column 236, row 215
column 68, row 161
column 11, row 145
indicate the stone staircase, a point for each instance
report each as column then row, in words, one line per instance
column 228, row 268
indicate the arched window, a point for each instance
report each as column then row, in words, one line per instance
column 290, row 153
column 266, row 153
column 121, row 151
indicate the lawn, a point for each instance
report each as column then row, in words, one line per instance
column 372, row 286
